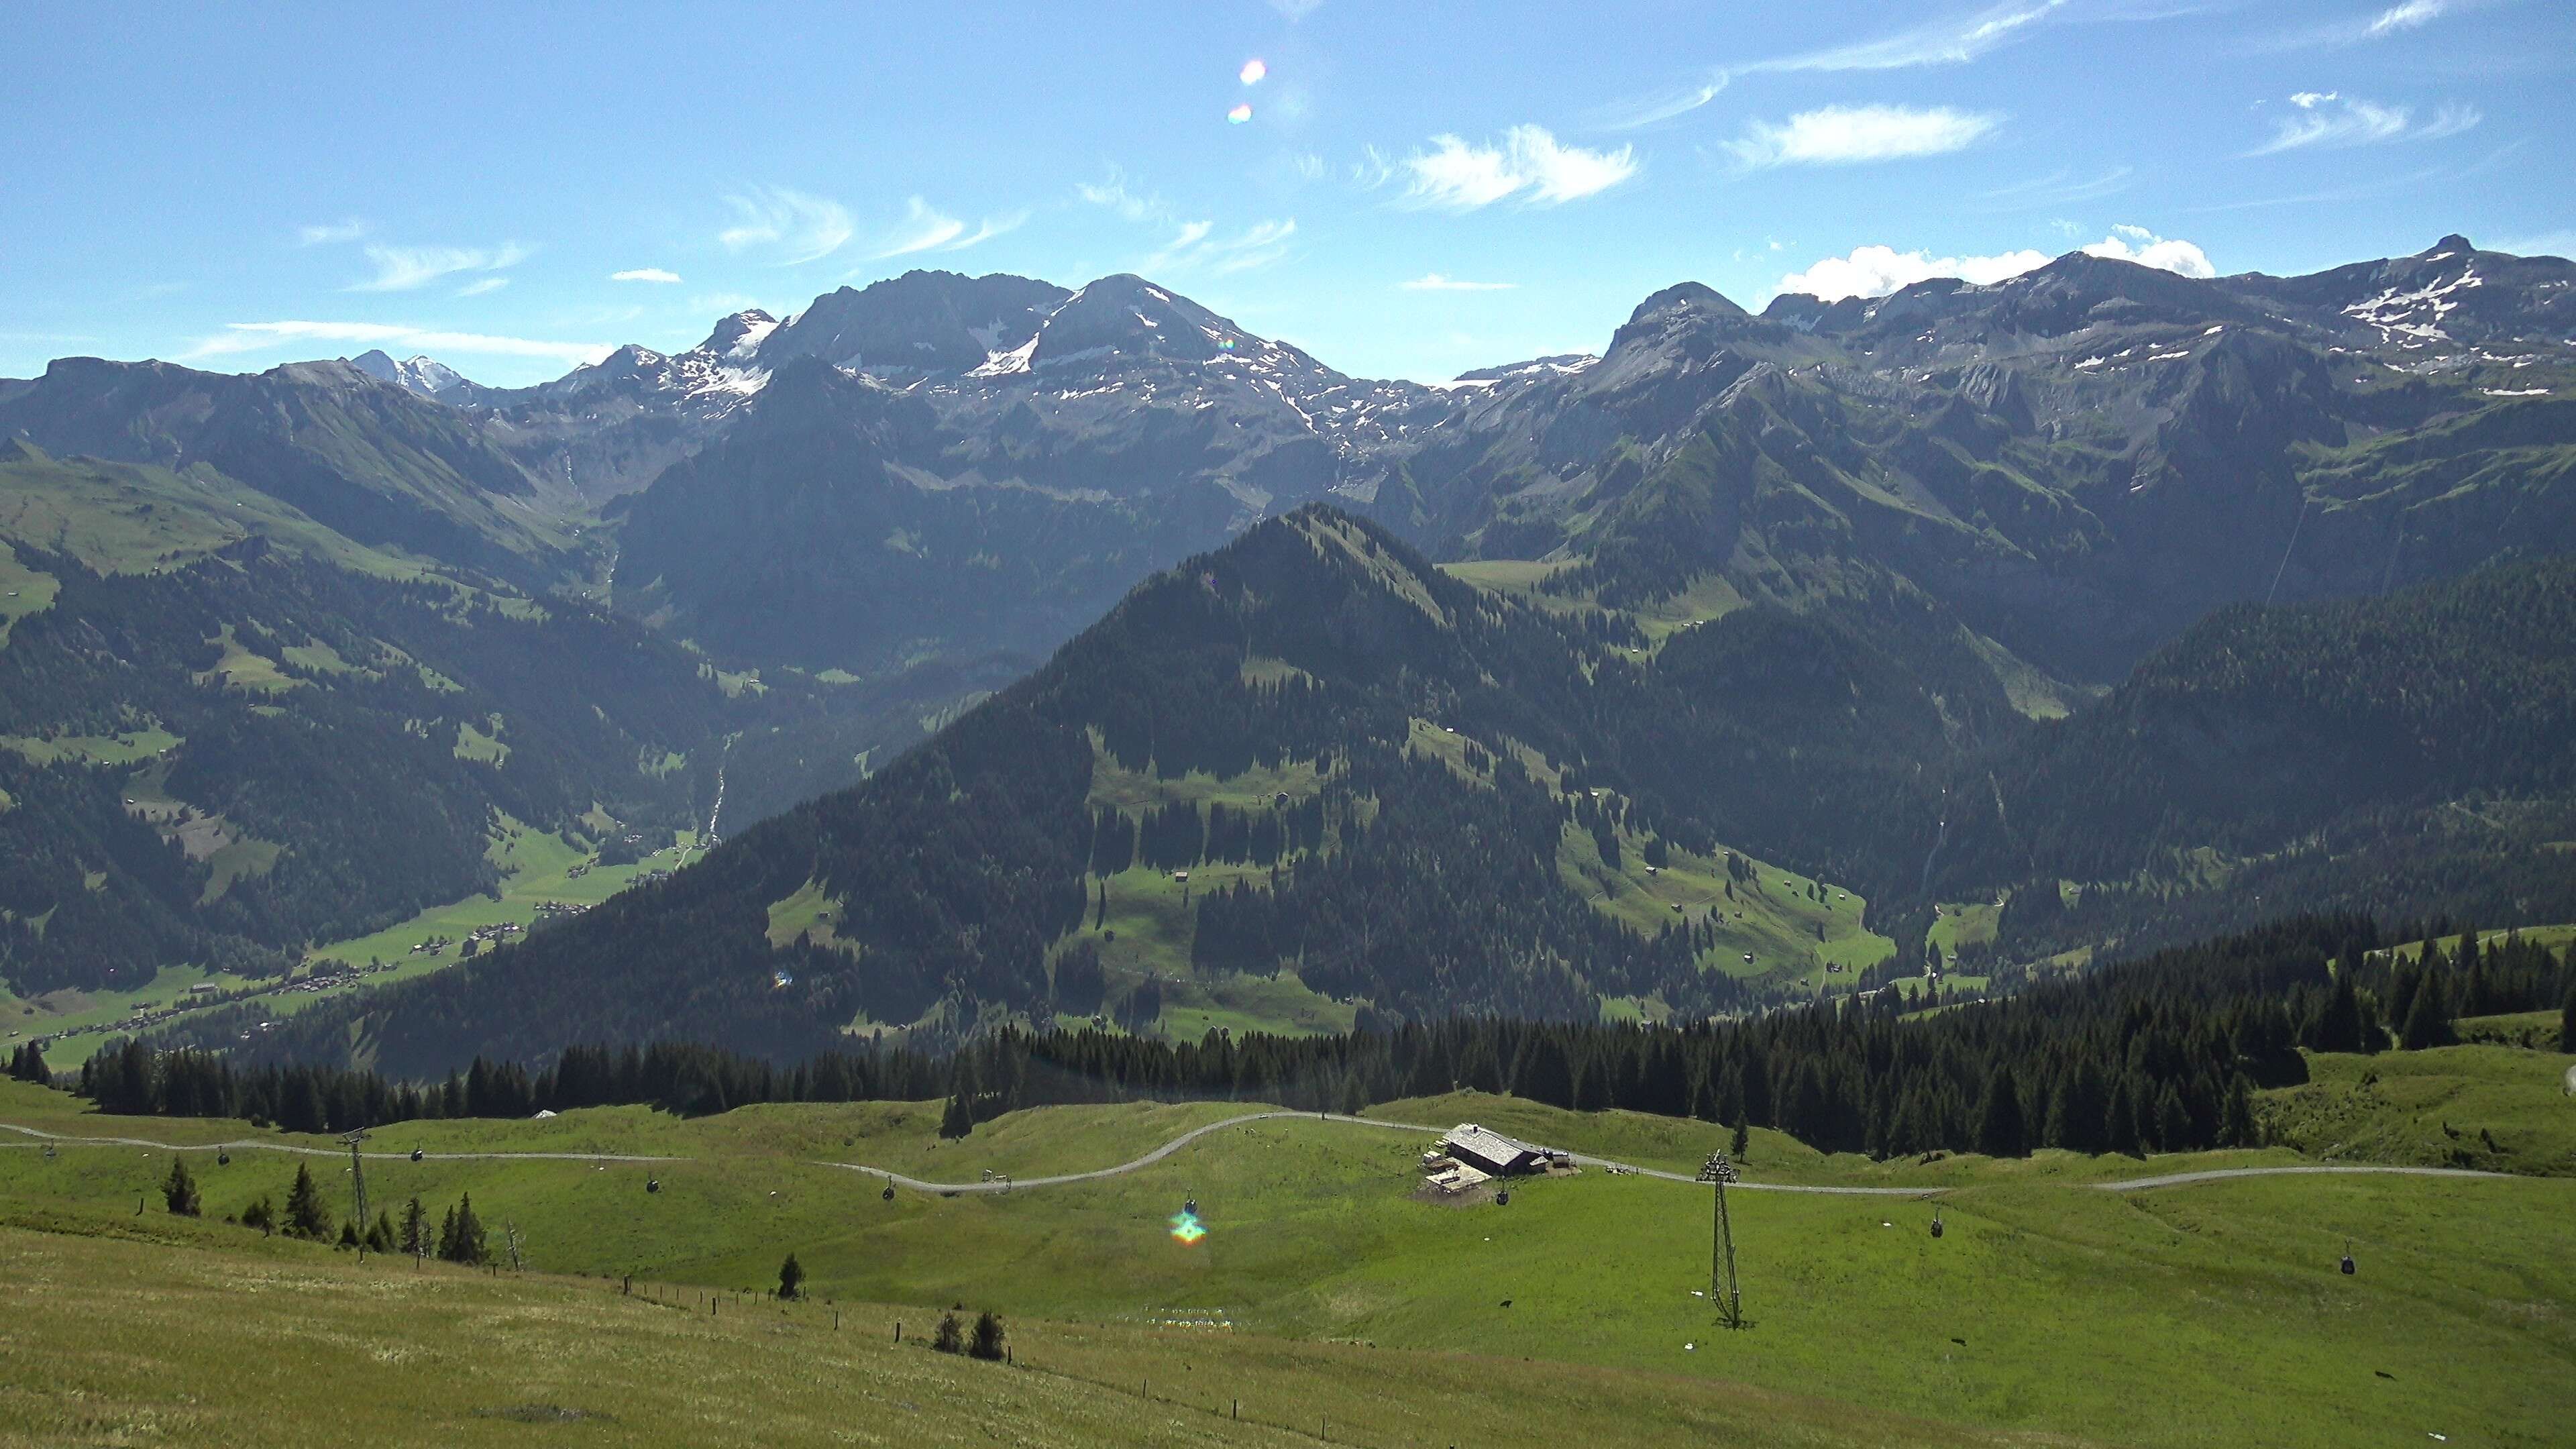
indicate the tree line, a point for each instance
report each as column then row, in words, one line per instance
column 2158, row 1053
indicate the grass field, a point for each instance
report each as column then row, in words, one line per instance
column 263, row 1343
column 2194, row 1315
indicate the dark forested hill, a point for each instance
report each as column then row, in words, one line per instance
column 2410, row 753
column 227, row 731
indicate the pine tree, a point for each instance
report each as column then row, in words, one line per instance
column 951, row 1336
column 963, row 1089
column 179, row 1190
column 988, row 1337
column 791, row 1274
column 306, row 1217
column 2237, row 1127
column 461, row 1239
column 380, row 1234
column 1741, row 1147
column 1999, row 1120
column 415, row 1229
column 2428, row 1020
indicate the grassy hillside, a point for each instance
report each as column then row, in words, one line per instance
column 2048, row 1307
column 451, row 1357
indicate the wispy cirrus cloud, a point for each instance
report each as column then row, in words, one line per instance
column 2409, row 16
column 1949, row 40
column 1529, row 164
column 2402, row 18
column 801, row 227
column 2062, row 187
column 1848, row 135
column 330, row 232
column 1128, row 201
column 1197, row 246
column 925, row 228
column 645, row 274
column 1876, row 271
column 243, row 337
column 2330, row 119
column 477, row 289
column 401, row 269
column 1435, row 282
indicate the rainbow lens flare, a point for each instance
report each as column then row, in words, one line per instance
column 1186, row 1228
column 1240, row 114
column 1252, row 72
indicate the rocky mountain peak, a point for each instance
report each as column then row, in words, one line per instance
column 737, row 337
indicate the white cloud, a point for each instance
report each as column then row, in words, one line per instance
column 1952, row 41
column 399, row 269
column 1876, row 271
column 644, row 274
column 1197, row 245
column 923, row 229
column 2061, row 187
column 338, row 231
column 2329, row 118
column 1118, row 196
column 1434, row 282
column 1842, row 135
column 1529, row 163
column 2137, row 244
column 2404, row 17
column 477, row 289
column 804, row 228
column 241, row 337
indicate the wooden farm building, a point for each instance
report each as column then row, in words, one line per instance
column 1491, row 1153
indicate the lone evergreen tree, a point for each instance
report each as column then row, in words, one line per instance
column 988, row 1337
column 306, row 1217
column 1741, row 1145
column 179, row 1190
column 959, row 1119
column 415, row 1229
column 791, row 1274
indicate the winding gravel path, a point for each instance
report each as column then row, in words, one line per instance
column 256, row 1144
column 2186, row 1179
column 1007, row 1184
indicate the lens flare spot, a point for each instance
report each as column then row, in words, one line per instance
column 1186, row 1228
column 1253, row 71
column 1240, row 114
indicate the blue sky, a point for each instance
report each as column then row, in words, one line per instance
column 1418, row 188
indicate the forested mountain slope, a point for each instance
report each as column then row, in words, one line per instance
column 227, row 731
column 1364, row 777
column 2403, row 754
